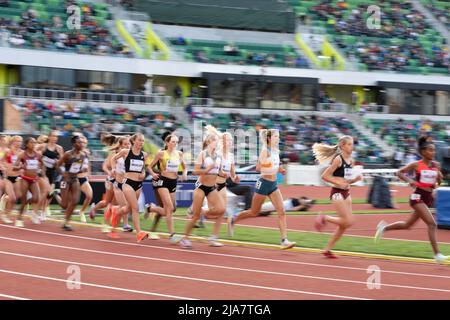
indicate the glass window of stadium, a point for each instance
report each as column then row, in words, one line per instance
column 262, row 94
column 414, row 101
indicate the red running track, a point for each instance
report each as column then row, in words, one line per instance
column 34, row 264
column 365, row 225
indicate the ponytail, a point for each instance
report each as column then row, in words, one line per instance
column 324, row 152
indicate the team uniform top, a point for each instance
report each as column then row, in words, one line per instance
column 170, row 163
column 209, row 161
column 49, row 158
column 134, row 163
column 226, row 163
column 273, row 164
column 426, row 177
column 345, row 170
column 31, row 163
column 75, row 164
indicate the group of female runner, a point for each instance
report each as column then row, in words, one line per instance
column 34, row 170
column 31, row 174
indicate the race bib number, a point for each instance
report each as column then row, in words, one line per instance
column 415, row 196
column 348, row 173
column 75, row 168
column 14, row 159
column 49, row 163
column 337, row 196
column 226, row 167
column 172, row 165
column 63, row 185
column 136, row 165
column 158, row 183
column 258, row 184
column 428, row 176
column 32, row 164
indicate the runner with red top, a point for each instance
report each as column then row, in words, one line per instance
column 340, row 175
column 31, row 163
column 428, row 177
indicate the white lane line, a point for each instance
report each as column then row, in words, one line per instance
column 12, row 297
column 209, row 265
column 225, row 254
column 95, row 285
column 187, row 278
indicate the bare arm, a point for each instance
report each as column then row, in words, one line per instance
column 61, row 161
column 154, row 161
column 183, row 166
column 327, row 175
column 18, row 164
column 401, row 173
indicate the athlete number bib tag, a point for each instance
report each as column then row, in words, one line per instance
column 337, row 196
column 415, row 196
column 75, row 168
column 32, row 164
column 49, row 163
column 428, row 176
column 172, row 165
column 348, row 173
column 136, row 165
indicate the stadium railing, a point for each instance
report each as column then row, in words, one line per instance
column 88, row 96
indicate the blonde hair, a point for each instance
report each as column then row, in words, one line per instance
column 135, row 136
column 324, row 152
column 42, row 139
column 14, row 139
column 211, row 132
column 117, row 146
column 222, row 143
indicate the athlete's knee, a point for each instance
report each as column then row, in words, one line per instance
column 432, row 225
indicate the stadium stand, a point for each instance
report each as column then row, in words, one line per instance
column 240, row 53
column 42, row 25
column 440, row 9
column 405, row 42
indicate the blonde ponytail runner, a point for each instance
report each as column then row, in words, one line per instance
column 324, row 152
column 263, row 137
column 210, row 133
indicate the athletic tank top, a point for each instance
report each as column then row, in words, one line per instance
column 134, row 163
column 226, row 163
column 11, row 157
column 31, row 163
column 344, row 171
column 120, row 166
column 85, row 163
column 75, row 164
column 209, row 161
column 49, row 158
column 426, row 176
column 272, row 163
column 170, row 163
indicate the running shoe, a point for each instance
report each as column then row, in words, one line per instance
column 35, row 218
column 19, row 223
column 320, row 222
column 440, row 258
column 106, row 228
column 286, row 244
column 92, row 212
column 127, row 228
column 175, row 238
column 186, row 244
column 43, row 217
column 5, row 219
column 66, row 227
column 329, row 255
column 141, row 236
column 83, row 217
column 154, row 236
column 214, row 243
column 380, row 230
column 113, row 235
